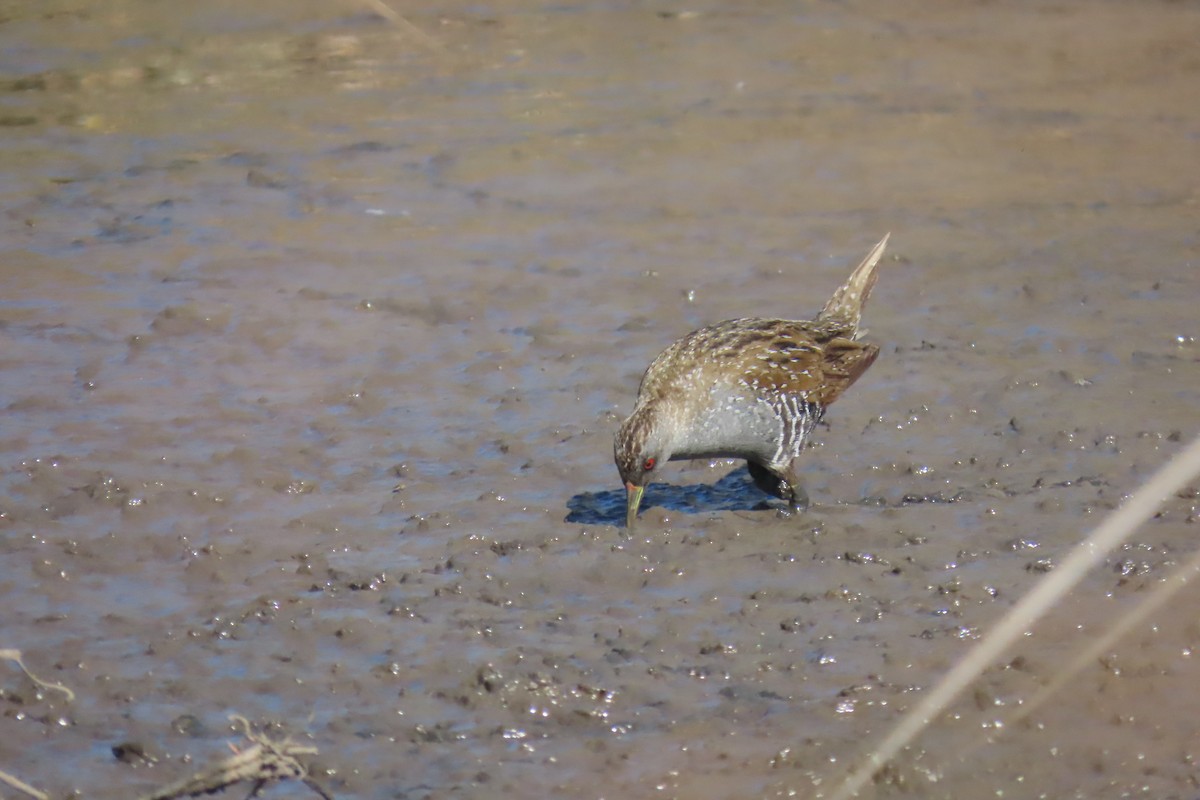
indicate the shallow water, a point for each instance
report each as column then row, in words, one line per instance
column 316, row 331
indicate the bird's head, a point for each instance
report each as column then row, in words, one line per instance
column 639, row 449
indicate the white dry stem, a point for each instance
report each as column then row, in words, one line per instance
column 1115, row 529
column 391, row 15
column 1088, row 655
column 21, row 786
column 1153, row 601
column 14, row 655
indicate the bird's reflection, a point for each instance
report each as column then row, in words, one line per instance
column 734, row 492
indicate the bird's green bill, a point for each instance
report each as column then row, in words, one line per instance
column 633, row 500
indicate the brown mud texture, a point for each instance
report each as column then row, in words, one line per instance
column 316, row 327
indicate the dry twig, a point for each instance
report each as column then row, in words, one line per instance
column 264, row 761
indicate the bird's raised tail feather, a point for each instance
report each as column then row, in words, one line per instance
column 847, row 302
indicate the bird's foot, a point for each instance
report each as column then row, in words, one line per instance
column 782, row 484
column 784, row 510
column 799, row 502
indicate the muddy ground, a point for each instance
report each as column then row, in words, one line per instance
column 316, row 329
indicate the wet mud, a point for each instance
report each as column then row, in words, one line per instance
column 316, row 331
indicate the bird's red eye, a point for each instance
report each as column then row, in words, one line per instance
column 648, row 464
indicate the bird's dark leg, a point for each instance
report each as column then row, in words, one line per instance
column 800, row 501
column 781, row 483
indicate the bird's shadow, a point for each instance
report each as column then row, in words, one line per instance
column 734, row 492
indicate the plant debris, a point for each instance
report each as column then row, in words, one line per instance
column 264, row 761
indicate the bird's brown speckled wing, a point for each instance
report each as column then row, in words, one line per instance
column 844, row 363
column 810, row 360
